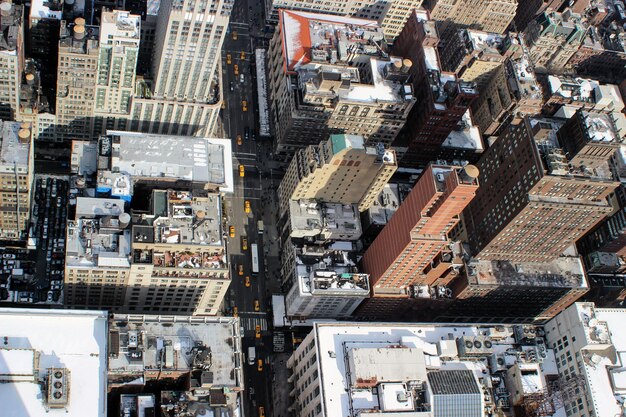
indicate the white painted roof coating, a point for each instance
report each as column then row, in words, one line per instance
column 601, row 376
column 75, row 340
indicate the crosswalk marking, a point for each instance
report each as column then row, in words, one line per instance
column 250, row 323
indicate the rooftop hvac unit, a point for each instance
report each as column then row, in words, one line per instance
column 474, row 346
column 58, row 387
column 133, row 339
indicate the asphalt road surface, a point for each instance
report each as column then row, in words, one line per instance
column 239, row 118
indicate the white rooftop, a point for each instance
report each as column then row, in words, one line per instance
column 118, row 28
column 468, row 138
column 354, row 357
column 75, row 340
column 204, row 160
column 12, row 151
column 39, row 10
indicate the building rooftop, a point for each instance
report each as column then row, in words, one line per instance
column 467, row 138
column 180, row 217
column 324, row 38
column 310, row 219
column 119, row 25
column 99, row 234
column 564, row 272
column 46, row 9
column 599, row 127
column 15, row 146
column 385, row 205
column 79, row 39
column 45, row 375
column 443, row 84
column 10, row 26
column 524, row 80
column 605, row 369
column 137, row 405
column 329, row 272
column 141, row 344
column 84, row 157
column 453, row 382
column 489, row 42
column 164, row 157
column 383, row 369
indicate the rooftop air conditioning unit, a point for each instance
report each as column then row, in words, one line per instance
column 58, row 387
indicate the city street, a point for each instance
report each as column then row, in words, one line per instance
column 239, row 120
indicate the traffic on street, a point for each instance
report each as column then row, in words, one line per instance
column 248, row 208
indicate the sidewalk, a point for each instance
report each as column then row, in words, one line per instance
column 280, row 386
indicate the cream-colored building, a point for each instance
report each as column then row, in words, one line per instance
column 11, row 58
column 76, row 80
column 168, row 260
column 488, row 15
column 553, row 38
column 185, row 94
column 117, row 63
column 339, row 170
column 179, row 263
column 328, row 74
column 16, row 178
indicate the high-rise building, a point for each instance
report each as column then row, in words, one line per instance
column 495, row 105
column 179, row 259
column 329, row 74
column 340, row 170
column 388, row 369
column 183, row 93
column 16, row 179
column 188, row 42
column 206, row 352
column 391, row 16
column 98, row 254
column 43, row 43
column 580, row 93
column 11, row 59
column 488, row 15
column 584, row 338
column 535, row 200
column 326, row 284
column 553, row 38
column 76, row 80
column 412, row 251
column 168, row 260
column 117, row 63
column 602, row 54
column 442, row 98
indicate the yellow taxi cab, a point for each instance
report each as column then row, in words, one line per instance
column 223, row 104
column 246, row 206
column 257, row 306
column 242, row 171
column 247, row 281
column 242, row 55
column 239, row 141
column 231, row 231
column 236, row 69
column 261, row 411
column 229, row 59
column 244, row 243
column 234, row 36
column 260, row 365
column 244, row 105
column 257, row 332
column 240, row 269
column 235, row 312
